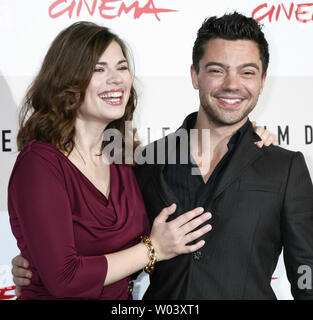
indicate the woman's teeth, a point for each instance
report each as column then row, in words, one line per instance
column 111, row 95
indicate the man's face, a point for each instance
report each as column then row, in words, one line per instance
column 229, row 80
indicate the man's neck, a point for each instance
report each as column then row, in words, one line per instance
column 210, row 145
column 219, row 134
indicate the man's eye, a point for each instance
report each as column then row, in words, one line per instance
column 215, row 71
column 249, row 73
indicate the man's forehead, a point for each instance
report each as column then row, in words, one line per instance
column 232, row 49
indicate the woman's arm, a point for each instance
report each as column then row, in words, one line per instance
column 38, row 198
column 41, row 220
column 168, row 238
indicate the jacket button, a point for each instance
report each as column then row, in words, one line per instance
column 197, row 255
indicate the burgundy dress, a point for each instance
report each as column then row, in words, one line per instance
column 64, row 225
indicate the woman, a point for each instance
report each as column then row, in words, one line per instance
column 78, row 219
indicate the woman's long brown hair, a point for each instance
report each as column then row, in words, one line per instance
column 49, row 110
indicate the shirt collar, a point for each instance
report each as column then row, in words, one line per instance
column 190, row 122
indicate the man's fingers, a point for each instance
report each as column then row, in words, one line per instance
column 21, row 282
column 19, row 261
column 21, row 272
column 18, row 291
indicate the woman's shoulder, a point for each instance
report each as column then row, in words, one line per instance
column 36, row 152
column 126, row 173
column 44, row 149
column 124, row 168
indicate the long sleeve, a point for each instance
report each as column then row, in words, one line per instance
column 297, row 226
column 39, row 206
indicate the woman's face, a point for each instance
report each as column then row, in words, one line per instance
column 109, row 88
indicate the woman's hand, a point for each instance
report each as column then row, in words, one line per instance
column 267, row 137
column 168, row 238
column 171, row 238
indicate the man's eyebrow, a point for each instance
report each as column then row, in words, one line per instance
column 103, row 63
column 213, row 63
column 250, row 64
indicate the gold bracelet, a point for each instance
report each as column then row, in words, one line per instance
column 152, row 255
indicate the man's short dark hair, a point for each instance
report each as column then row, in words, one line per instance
column 234, row 26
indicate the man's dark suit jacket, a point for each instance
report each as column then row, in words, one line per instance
column 262, row 203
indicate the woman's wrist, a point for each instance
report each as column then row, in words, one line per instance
column 149, row 268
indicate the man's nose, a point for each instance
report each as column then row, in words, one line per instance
column 231, row 82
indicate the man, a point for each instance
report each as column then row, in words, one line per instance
column 261, row 200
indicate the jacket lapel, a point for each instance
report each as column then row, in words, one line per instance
column 161, row 187
column 245, row 153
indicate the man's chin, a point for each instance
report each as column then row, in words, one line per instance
column 225, row 118
column 227, row 121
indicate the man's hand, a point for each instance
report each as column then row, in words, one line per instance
column 21, row 274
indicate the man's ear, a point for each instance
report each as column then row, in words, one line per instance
column 194, row 77
column 263, row 81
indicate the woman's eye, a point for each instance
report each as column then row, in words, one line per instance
column 98, row 70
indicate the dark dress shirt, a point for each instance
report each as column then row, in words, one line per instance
column 190, row 189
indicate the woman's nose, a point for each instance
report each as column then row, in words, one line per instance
column 114, row 77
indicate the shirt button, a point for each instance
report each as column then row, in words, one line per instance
column 197, row 255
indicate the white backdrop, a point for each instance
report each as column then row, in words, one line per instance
column 161, row 44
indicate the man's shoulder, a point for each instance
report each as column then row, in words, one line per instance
column 154, row 154
column 279, row 153
column 278, row 162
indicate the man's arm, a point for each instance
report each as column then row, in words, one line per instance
column 297, row 227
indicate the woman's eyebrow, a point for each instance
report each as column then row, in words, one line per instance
column 103, row 63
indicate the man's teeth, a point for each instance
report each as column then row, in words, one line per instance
column 230, row 101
